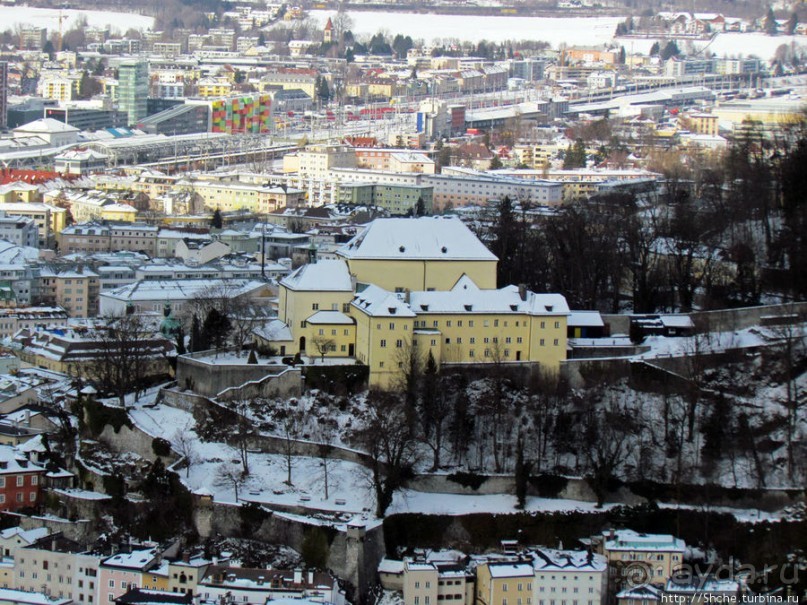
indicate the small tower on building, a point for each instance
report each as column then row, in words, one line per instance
column 327, row 35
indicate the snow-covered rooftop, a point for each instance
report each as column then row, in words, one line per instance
column 467, row 297
column 23, row 597
column 14, row 462
column 27, row 535
column 377, row 302
column 275, row 331
column 547, row 559
column 587, row 319
column 185, row 289
column 137, row 559
column 627, row 539
column 511, row 570
column 390, row 566
column 330, row 317
column 325, row 275
column 426, row 238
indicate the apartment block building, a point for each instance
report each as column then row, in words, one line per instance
column 661, row 555
column 424, row 283
column 74, row 290
column 16, row 318
column 20, row 480
column 459, row 187
column 259, row 586
column 19, row 230
column 124, row 570
column 63, row 566
column 431, row 583
column 49, row 219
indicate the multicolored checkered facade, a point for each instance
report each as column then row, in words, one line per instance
column 242, row 114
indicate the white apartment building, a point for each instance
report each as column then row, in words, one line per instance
column 257, row 586
column 567, row 577
column 459, row 188
column 316, row 162
column 19, row 230
column 661, row 554
column 63, row 566
column 431, row 583
column 42, row 214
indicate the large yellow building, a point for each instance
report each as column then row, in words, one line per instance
column 381, row 305
column 430, row 253
column 660, row 555
column 505, row 583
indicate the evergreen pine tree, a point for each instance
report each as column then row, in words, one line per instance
column 216, row 221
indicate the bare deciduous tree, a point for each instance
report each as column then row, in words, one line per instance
column 127, row 347
column 388, row 438
column 290, row 425
column 184, row 442
column 231, row 475
column 323, row 344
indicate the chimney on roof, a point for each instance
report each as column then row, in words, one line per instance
column 522, row 291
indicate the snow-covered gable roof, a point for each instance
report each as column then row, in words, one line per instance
column 182, row 289
column 677, row 321
column 324, row 275
column 585, row 319
column 274, row 331
column 467, row 297
column 391, row 566
column 137, row 559
column 26, row 535
column 511, row 570
column 330, row 317
column 24, row 597
column 703, row 584
column 377, row 302
column 546, row 559
column 643, row 592
column 46, row 125
column 426, row 238
column 627, row 540
column 12, row 461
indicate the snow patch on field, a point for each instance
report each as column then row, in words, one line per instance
column 570, row 31
column 13, row 16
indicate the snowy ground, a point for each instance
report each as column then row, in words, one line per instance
column 409, row 501
column 724, row 45
column 555, row 31
column 571, row 31
column 661, row 346
column 13, row 16
column 350, row 491
column 348, row 485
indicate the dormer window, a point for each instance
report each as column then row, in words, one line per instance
column 402, row 249
column 549, row 307
column 443, row 249
column 514, row 307
column 392, row 310
column 468, row 307
column 424, row 307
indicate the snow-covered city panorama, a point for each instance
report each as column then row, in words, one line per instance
column 381, row 303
